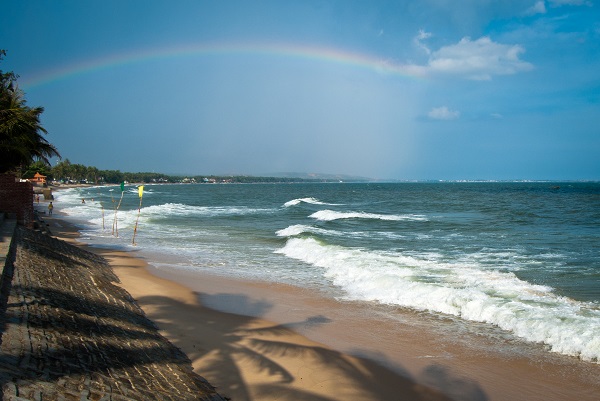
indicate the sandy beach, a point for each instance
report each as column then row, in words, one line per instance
column 244, row 357
column 257, row 341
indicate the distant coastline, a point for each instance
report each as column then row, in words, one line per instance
column 291, row 180
column 67, row 174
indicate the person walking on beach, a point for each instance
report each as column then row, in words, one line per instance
column 50, row 207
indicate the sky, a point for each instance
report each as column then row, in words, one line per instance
column 390, row 90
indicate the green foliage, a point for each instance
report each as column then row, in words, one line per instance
column 37, row 167
column 67, row 172
column 21, row 140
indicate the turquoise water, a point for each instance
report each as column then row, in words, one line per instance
column 520, row 257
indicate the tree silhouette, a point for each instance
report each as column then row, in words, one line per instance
column 21, row 132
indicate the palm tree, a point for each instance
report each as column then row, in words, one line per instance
column 21, row 140
column 92, row 175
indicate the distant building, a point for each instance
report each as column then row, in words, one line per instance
column 38, row 180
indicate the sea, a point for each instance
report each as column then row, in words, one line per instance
column 510, row 260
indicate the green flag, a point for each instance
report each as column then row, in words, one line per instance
column 122, row 186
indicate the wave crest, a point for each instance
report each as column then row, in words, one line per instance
column 179, row 209
column 330, row 215
column 311, row 201
column 532, row 312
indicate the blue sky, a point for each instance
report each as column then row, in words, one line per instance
column 413, row 89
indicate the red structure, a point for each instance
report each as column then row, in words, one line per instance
column 38, row 179
column 16, row 198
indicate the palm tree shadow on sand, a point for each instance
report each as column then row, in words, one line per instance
column 249, row 359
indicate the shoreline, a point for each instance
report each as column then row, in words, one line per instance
column 244, row 357
column 193, row 312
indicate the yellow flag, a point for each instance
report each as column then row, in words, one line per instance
column 141, row 190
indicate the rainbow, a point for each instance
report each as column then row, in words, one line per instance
column 322, row 54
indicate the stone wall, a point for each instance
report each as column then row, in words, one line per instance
column 16, row 198
column 69, row 332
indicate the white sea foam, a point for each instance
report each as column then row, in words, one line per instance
column 69, row 201
column 330, row 215
column 93, row 214
column 311, row 201
column 424, row 282
column 298, row 229
column 291, row 231
column 178, row 209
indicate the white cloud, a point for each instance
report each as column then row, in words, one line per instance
column 478, row 59
column 422, row 35
column 538, row 8
column 443, row 113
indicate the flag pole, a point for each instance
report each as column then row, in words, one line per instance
column 112, row 199
column 140, row 193
column 115, row 208
column 102, row 206
column 115, row 227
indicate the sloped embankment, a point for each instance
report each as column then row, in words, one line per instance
column 69, row 333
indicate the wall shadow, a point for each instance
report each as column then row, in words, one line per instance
column 67, row 329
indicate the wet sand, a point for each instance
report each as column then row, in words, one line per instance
column 259, row 341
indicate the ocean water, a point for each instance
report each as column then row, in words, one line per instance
column 517, row 258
